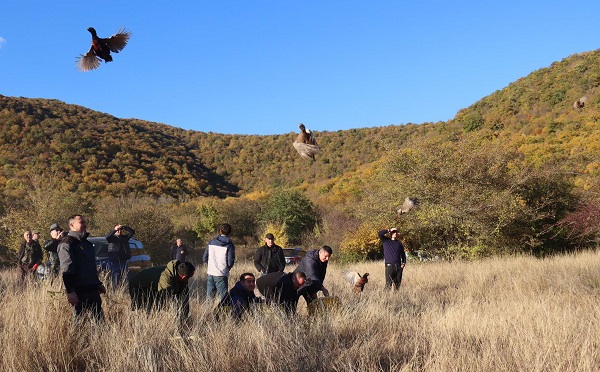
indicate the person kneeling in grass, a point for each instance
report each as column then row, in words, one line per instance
column 155, row 287
column 239, row 299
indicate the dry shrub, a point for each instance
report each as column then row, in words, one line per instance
column 517, row 314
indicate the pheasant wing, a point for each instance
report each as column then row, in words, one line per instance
column 88, row 61
column 117, row 42
column 305, row 150
column 351, row 277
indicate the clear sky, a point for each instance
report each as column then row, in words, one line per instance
column 262, row 67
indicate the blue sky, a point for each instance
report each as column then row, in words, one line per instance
column 262, row 67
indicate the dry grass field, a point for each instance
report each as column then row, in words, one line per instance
column 502, row 314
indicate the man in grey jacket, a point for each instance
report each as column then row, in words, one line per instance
column 78, row 266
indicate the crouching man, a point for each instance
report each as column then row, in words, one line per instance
column 282, row 289
column 239, row 299
column 155, row 287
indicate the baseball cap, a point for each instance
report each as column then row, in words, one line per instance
column 55, row 226
column 269, row 236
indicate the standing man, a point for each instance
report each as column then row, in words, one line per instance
column 269, row 258
column 78, row 266
column 119, row 252
column 30, row 254
column 219, row 257
column 51, row 246
column 179, row 251
column 35, row 235
column 314, row 266
column 155, row 287
column 394, row 257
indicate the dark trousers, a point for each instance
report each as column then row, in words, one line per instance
column 393, row 275
column 89, row 303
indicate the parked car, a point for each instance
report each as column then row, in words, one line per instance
column 139, row 259
column 293, row 255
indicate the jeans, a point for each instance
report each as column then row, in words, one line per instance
column 393, row 276
column 118, row 271
column 218, row 284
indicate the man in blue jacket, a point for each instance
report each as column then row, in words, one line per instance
column 240, row 298
column 394, row 257
column 219, row 257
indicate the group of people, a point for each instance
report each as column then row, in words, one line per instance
column 76, row 257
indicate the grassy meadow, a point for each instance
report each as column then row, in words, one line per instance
column 501, row 314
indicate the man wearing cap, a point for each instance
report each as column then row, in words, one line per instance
column 394, row 257
column 269, row 258
column 51, row 246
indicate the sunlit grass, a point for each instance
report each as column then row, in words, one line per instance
column 517, row 314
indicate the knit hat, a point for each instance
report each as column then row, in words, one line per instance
column 270, row 236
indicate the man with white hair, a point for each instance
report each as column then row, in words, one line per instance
column 394, row 257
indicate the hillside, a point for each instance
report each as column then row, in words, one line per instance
column 103, row 155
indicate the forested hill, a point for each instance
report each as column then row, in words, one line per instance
column 103, row 155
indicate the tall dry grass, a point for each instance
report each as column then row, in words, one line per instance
column 516, row 314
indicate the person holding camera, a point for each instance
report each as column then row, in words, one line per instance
column 119, row 252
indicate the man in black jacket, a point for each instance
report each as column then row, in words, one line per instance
column 78, row 266
column 119, row 252
column 314, row 265
column 269, row 258
column 282, row 289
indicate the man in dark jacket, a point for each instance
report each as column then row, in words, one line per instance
column 154, row 287
column 78, row 266
column 30, row 255
column 51, row 246
column 269, row 258
column 239, row 299
column 282, row 289
column 119, row 252
column 179, row 251
column 394, row 257
column 314, row 265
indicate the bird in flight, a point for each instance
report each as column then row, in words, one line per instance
column 101, row 49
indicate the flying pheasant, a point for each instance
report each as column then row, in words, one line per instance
column 306, row 144
column 409, row 203
column 356, row 279
column 101, row 49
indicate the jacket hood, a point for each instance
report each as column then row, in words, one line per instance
column 221, row 240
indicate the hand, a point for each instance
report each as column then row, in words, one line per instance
column 325, row 292
column 118, row 227
column 182, row 252
column 402, row 265
column 102, row 289
column 72, row 298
